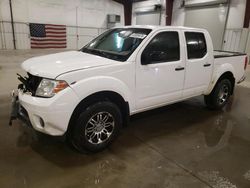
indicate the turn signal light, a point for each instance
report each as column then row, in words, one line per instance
column 61, row 85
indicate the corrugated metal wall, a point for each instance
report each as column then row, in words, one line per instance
column 76, row 36
column 232, row 40
column 7, row 39
column 22, row 36
column 1, row 43
column 237, row 40
column 79, row 36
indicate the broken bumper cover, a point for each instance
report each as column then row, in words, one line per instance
column 47, row 115
column 17, row 111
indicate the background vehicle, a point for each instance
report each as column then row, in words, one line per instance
column 89, row 94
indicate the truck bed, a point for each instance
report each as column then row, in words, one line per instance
column 236, row 59
column 221, row 54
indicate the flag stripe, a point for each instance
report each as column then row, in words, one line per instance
column 34, row 44
column 55, row 25
column 47, row 39
column 55, row 32
column 48, row 43
column 48, row 36
column 57, row 36
column 44, row 47
column 56, row 28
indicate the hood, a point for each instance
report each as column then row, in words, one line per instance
column 51, row 66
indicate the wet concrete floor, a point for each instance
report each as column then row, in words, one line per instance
column 181, row 145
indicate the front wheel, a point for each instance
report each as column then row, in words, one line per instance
column 96, row 127
column 219, row 97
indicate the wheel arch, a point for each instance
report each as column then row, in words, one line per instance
column 106, row 95
column 226, row 75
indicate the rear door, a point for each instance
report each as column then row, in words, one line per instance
column 160, row 80
column 198, row 64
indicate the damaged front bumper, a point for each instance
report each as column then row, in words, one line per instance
column 47, row 115
column 17, row 111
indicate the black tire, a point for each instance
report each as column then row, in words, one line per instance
column 220, row 95
column 81, row 139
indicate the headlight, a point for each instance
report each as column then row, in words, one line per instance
column 48, row 88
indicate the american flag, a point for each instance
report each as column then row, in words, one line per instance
column 47, row 36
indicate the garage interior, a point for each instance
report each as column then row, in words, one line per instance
column 179, row 145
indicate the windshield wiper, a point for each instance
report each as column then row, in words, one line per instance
column 96, row 52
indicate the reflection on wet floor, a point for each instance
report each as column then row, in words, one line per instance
column 181, row 145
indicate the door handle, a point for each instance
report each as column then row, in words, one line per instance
column 206, row 65
column 179, row 68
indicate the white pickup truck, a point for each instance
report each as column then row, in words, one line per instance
column 89, row 94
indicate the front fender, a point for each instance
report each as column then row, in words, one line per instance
column 89, row 86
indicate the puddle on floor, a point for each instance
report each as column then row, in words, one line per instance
column 216, row 180
column 247, row 175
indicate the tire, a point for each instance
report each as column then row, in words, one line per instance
column 220, row 95
column 96, row 127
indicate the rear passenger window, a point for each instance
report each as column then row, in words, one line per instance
column 196, row 45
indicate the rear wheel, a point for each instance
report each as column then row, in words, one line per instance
column 96, row 127
column 219, row 97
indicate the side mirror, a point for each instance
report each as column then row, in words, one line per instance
column 153, row 57
column 145, row 58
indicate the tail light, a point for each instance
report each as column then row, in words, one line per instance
column 246, row 62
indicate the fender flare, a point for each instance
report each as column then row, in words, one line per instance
column 92, row 85
column 222, row 69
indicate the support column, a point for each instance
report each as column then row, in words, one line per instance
column 247, row 15
column 12, row 25
column 169, row 11
column 127, row 4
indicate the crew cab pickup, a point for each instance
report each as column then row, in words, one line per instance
column 89, row 94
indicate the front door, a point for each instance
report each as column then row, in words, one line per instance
column 160, row 71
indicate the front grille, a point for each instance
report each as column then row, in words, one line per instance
column 29, row 83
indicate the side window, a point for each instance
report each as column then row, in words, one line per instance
column 196, row 45
column 163, row 47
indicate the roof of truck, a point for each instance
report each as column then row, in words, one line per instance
column 154, row 27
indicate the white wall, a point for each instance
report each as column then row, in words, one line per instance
column 178, row 15
column 91, row 13
column 235, row 17
column 149, row 3
column 80, row 13
column 235, row 38
column 236, row 14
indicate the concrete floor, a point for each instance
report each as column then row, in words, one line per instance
column 181, row 145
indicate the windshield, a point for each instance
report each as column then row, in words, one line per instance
column 117, row 44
